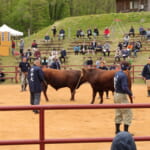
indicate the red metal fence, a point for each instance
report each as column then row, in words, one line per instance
column 42, row 141
column 135, row 71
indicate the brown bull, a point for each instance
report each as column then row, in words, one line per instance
column 62, row 78
column 101, row 80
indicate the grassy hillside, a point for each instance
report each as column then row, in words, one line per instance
column 71, row 24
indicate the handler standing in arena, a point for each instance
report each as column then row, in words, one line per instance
column 146, row 76
column 35, row 78
column 120, row 97
column 24, row 68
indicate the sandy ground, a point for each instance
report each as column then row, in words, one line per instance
column 68, row 123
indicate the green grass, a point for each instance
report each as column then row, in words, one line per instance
column 101, row 21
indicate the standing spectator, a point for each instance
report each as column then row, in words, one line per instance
column 21, row 47
column 120, row 45
column 96, row 32
column 99, row 48
column 28, row 55
column 54, row 30
column 123, row 141
column 126, row 39
column 120, row 97
column 106, row 49
column 89, row 33
column 146, row 76
column 62, row 34
column 35, row 78
column 24, row 67
column 55, row 64
column 47, row 38
column 132, row 32
column 78, row 34
column 63, row 56
column 106, row 32
column 13, row 46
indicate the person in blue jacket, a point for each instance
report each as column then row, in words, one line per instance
column 123, row 141
column 120, row 97
column 146, row 75
column 35, row 78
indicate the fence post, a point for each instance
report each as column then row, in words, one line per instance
column 42, row 129
column 133, row 73
column 16, row 74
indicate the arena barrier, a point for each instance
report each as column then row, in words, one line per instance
column 135, row 71
column 42, row 141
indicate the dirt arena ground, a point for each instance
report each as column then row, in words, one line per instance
column 70, row 123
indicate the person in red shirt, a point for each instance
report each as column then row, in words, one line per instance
column 13, row 45
column 106, row 32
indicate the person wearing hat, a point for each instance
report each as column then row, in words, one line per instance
column 146, row 75
column 120, row 97
column 123, row 141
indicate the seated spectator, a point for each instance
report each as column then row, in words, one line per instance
column 28, row 55
column 89, row 62
column 2, row 75
column 136, row 47
column 76, row 49
column 37, row 54
column 63, row 56
column 123, row 141
column 106, row 49
column 94, row 44
column 106, row 32
column 148, row 34
column 125, row 53
column 81, row 33
column 103, row 66
column 50, row 60
column 34, row 44
column 62, row 34
column 83, row 49
column 44, row 62
column 54, row 53
column 47, row 38
column 118, row 55
column 90, row 49
column 131, row 31
column 89, row 33
column 120, row 45
column 99, row 48
column 113, row 66
column 78, row 34
column 141, row 30
column 126, row 38
column 55, row 64
column 95, row 32
column 98, row 61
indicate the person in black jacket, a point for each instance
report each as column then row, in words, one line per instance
column 35, row 78
column 2, row 75
column 146, row 75
column 120, row 97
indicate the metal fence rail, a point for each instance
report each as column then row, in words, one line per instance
column 42, row 141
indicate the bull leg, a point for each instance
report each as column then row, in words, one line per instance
column 72, row 94
column 44, row 92
column 93, row 99
column 101, row 96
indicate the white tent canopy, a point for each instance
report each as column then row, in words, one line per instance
column 5, row 28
